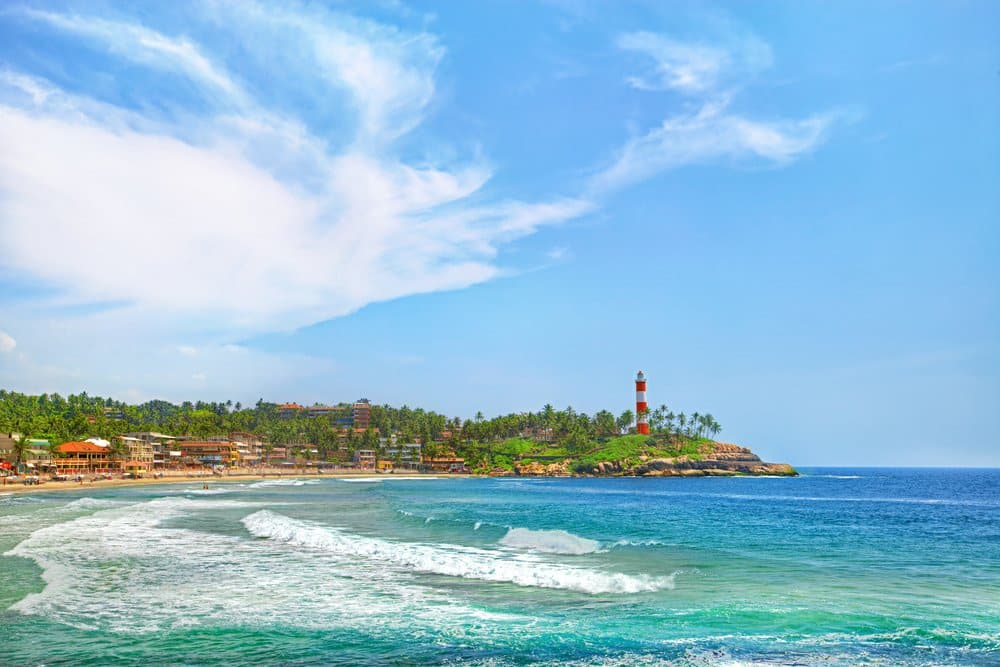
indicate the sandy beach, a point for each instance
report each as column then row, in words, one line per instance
column 177, row 477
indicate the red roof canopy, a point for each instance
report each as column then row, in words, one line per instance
column 81, row 448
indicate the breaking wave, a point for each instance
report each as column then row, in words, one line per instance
column 169, row 578
column 449, row 560
column 263, row 484
column 549, row 541
column 88, row 503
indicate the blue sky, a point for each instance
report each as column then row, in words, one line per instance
column 785, row 213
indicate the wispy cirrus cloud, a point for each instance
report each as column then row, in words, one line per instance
column 710, row 134
column 693, row 67
column 709, row 77
column 142, row 45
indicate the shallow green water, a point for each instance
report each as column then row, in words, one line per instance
column 837, row 567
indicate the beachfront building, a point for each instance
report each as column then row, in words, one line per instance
column 406, row 455
column 277, row 456
column 209, row 453
column 7, row 446
column 364, row 458
column 160, row 443
column 138, row 454
column 36, row 456
column 73, row 458
column 249, row 446
column 448, row 462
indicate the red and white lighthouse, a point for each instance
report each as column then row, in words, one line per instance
column 641, row 407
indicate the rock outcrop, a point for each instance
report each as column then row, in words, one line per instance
column 716, row 459
column 724, row 459
column 535, row 468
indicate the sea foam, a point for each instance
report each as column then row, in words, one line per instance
column 263, row 484
column 549, row 541
column 167, row 578
column 449, row 560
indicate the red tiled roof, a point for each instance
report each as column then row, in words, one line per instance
column 289, row 406
column 81, row 448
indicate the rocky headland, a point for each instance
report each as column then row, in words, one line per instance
column 658, row 457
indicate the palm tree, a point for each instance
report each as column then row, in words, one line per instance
column 118, row 451
column 625, row 420
column 19, row 449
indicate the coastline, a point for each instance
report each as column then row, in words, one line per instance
column 209, row 479
column 47, row 486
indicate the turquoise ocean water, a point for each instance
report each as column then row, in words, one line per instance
column 837, row 567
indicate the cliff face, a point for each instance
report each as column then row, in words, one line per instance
column 725, row 459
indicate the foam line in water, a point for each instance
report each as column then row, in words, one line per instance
column 549, row 541
column 449, row 560
column 263, row 484
column 389, row 478
column 88, row 503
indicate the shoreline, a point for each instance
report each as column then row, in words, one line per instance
column 209, row 479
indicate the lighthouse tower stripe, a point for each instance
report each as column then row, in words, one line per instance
column 641, row 407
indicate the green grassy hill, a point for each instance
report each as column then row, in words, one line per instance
column 627, row 454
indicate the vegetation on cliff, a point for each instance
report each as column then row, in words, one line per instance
column 655, row 455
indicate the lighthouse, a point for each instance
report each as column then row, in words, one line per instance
column 641, row 407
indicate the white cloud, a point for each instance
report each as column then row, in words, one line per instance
column 709, row 75
column 684, row 67
column 243, row 219
column 142, row 45
column 187, row 350
column 7, row 342
column 710, row 134
column 693, row 67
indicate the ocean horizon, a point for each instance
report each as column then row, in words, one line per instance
column 841, row 566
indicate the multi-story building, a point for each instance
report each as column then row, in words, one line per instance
column 288, row 410
column 277, row 456
column 250, row 447
column 140, row 454
column 332, row 412
column 161, row 444
column 361, row 414
column 405, row 455
column 447, row 462
column 37, row 453
column 73, row 458
column 209, row 453
column 365, row 458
